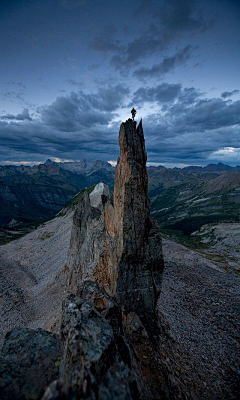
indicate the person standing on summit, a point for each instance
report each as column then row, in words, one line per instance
column 134, row 112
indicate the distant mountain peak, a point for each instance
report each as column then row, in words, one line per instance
column 48, row 162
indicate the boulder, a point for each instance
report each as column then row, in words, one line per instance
column 29, row 361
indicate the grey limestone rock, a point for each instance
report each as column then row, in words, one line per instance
column 29, row 362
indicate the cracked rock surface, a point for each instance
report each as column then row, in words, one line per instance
column 29, row 362
column 96, row 360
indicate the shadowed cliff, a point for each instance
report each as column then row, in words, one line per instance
column 118, row 244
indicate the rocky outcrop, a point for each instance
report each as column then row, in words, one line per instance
column 107, row 354
column 199, row 339
column 91, row 252
column 118, row 244
column 29, row 362
column 96, row 360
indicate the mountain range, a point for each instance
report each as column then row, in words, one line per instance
column 34, row 194
column 182, row 200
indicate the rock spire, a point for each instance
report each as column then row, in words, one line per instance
column 117, row 243
column 139, row 250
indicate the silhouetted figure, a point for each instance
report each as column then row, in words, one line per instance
column 134, row 112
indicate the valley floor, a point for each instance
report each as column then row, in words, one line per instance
column 198, row 306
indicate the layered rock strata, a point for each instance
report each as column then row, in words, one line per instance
column 118, row 244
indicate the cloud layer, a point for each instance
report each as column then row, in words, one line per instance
column 67, row 84
column 167, row 65
column 184, row 126
column 225, row 95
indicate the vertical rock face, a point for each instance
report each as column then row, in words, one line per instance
column 139, row 250
column 86, row 241
column 131, row 202
column 92, row 247
column 119, row 245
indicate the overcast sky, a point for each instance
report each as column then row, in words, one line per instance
column 71, row 70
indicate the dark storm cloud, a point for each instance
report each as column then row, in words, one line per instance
column 75, row 123
column 179, row 17
column 188, row 128
column 188, row 96
column 107, row 98
column 184, row 128
column 191, row 148
column 163, row 93
column 20, row 117
column 166, row 145
column 224, row 95
column 168, row 20
column 69, row 113
column 168, row 64
column 208, row 114
column 35, row 141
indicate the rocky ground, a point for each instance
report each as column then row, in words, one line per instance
column 198, row 307
column 32, row 279
column 222, row 242
column 199, row 311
